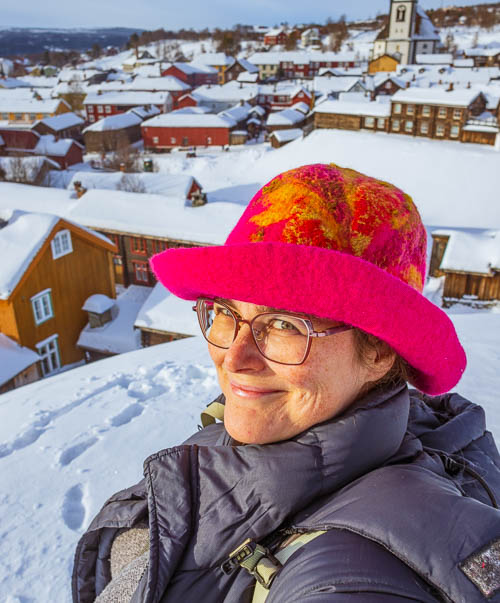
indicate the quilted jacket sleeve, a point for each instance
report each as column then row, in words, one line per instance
column 343, row 567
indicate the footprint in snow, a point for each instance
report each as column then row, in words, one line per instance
column 126, row 415
column 70, row 453
column 73, row 510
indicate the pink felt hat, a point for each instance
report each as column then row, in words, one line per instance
column 333, row 243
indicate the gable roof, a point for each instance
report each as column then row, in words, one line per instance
column 14, row 359
column 62, row 121
column 22, row 238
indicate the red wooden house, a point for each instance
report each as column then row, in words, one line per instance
column 192, row 75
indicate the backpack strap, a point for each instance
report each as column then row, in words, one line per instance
column 261, row 592
column 212, row 413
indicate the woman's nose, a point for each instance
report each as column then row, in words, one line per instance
column 243, row 353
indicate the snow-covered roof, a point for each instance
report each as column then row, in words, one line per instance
column 285, row 118
column 168, row 83
column 128, row 97
column 98, row 303
column 237, row 113
column 163, row 311
column 25, row 105
column 231, row 92
column 117, row 336
column 191, row 68
column 115, row 122
column 287, row 135
column 470, row 251
column 156, row 215
column 193, row 120
column 21, row 238
column 146, row 112
column 301, row 106
column 246, row 76
column 463, row 63
column 369, row 108
column 62, row 121
column 302, row 57
column 326, row 85
column 158, row 183
column 48, row 145
column 482, row 52
column 20, row 241
column 248, row 66
column 434, row 59
column 436, row 96
column 14, row 359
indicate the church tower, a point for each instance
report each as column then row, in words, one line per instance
column 401, row 19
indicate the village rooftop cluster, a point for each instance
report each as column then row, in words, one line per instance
column 94, row 126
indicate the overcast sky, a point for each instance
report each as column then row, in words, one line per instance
column 170, row 14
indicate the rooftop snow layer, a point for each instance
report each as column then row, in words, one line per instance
column 115, row 122
column 471, row 252
column 156, row 215
column 119, row 335
column 20, row 241
column 14, row 359
column 287, row 135
column 436, row 96
column 189, row 120
column 370, row 108
column 285, row 118
column 163, row 311
column 62, row 121
column 98, row 303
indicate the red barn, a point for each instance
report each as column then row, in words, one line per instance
column 192, row 75
column 186, row 129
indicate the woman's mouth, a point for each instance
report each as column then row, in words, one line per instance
column 246, row 391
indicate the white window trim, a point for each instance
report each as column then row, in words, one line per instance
column 42, row 344
column 59, row 233
column 45, row 293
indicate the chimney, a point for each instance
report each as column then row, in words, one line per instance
column 80, row 190
column 450, row 87
column 468, row 85
column 99, row 92
column 408, row 84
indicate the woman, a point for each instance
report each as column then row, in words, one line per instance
column 328, row 479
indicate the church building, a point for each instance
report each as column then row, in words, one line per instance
column 408, row 33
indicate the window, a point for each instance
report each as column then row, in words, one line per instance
column 61, row 244
column 18, row 116
column 156, row 140
column 99, row 108
column 442, row 112
column 49, row 352
column 424, row 127
column 381, row 123
column 108, row 109
column 91, row 119
column 396, row 125
column 90, row 109
column 440, row 130
column 138, row 245
column 209, row 140
column 141, row 272
column 41, row 303
column 409, row 126
column 173, row 141
column 369, row 122
column 457, row 114
column 185, row 141
column 410, row 109
column 32, row 116
column 160, row 246
column 397, row 107
column 400, row 14
column 454, row 131
column 388, row 85
column 426, row 110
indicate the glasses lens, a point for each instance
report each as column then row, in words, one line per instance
column 281, row 337
column 217, row 322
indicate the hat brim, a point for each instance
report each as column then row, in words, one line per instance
column 329, row 284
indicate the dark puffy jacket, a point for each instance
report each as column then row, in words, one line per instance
column 405, row 522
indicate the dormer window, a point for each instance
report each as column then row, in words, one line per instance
column 400, row 14
column 61, row 244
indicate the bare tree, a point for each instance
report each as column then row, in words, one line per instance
column 18, row 171
column 131, row 183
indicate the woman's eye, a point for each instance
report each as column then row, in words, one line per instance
column 284, row 325
column 221, row 310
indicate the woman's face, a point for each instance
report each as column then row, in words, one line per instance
column 268, row 402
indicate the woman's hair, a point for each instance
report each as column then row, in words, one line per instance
column 364, row 346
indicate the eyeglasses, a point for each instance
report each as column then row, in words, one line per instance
column 279, row 336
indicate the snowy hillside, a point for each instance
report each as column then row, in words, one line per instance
column 67, row 443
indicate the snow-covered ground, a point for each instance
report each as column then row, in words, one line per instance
column 68, row 442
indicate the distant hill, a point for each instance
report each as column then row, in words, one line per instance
column 22, row 41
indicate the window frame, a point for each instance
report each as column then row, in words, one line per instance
column 397, row 108
column 60, row 236
column 53, row 367
column 46, row 313
column 442, row 113
column 410, row 109
column 143, row 247
column 369, row 122
column 426, row 110
column 380, row 123
column 457, row 114
column 440, row 130
column 141, row 268
column 159, row 246
column 457, row 128
column 425, row 131
column 394, row 122
column 409, row 123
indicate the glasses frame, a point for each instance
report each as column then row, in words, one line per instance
column 311, row 332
